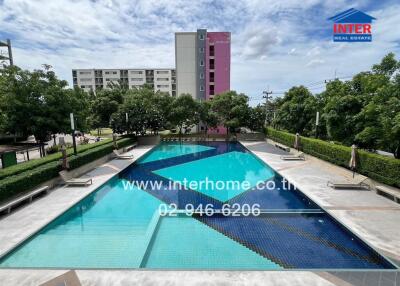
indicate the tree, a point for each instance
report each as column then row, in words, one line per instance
column 184, row 112
column 37, row 103
column 232, row 110
column 364, row 110
column 387, row 66
column 296, row 111
column 256, row 118
column 104, row 104
column 208, row 118
column 146, row 110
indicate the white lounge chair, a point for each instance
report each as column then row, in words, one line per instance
column 121, row 156
column 283, row 147
column 356, row 184
column 67, row 279
column 75, row 181
column 299, row 156
column 26, row 197
column 389, row 193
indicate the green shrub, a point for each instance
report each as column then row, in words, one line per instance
column 29, row 179
column 25, row 181
column 281, row 137
column 334, row 153
column 29, row 165
column 96, row 153
column 380, row 168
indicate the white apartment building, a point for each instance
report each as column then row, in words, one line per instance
column 94, row 79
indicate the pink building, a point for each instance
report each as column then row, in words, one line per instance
column 203, row 62
column 218, row 63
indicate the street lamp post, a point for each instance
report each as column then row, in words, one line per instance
column 267, row 97
column 71, row 116
column 127, row 121
column 316, row 125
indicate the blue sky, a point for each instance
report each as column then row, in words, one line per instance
column 275, row 44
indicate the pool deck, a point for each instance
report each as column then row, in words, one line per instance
column 374, row 218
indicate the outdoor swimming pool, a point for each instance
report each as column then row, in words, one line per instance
column 119, row 225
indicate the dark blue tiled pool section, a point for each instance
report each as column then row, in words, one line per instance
column 292, row 232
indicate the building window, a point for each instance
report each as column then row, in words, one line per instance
column 162, row 86
column 107, row 72
column 85, row 72
column 201, row 63
column 212, row 51
column 201, row 75
column 211, row 76
column 85, row 79
column 201, row 37
column 201, row 87
column 136, row 72
column 137, row 79
column 212, row 64
column 114, row 72
column 162, row 72
column 201, row 50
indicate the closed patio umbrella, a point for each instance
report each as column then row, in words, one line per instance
column 65, row 164
column 297, row 141
column 114, row 137
column 353, row 163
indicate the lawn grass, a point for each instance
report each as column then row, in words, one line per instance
column 104, row 132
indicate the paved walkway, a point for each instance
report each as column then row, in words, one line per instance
column 374, row 218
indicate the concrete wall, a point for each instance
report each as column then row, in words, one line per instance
column 185, row 61
column 148, row 140
column 251, row 136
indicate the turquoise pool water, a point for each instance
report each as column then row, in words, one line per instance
column 115, row 227
column 243, row 167
column 109, row 229
column 165, row 151
column 199, row 247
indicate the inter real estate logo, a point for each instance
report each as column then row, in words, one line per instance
column 352, row 26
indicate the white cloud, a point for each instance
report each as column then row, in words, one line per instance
column 258, row 42
column 315, row 62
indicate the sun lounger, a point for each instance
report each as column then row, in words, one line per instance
column 283, row 147
column 67, row 279
column 356, row 184
column 299, row 156
column 122, row 156
column 75, row 181
column 27, row 197
column 389, row 193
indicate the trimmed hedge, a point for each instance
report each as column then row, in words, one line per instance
column 25, row 181
column 29, row 165
column 22, row 182
column 380, row 168
column 96, row 153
